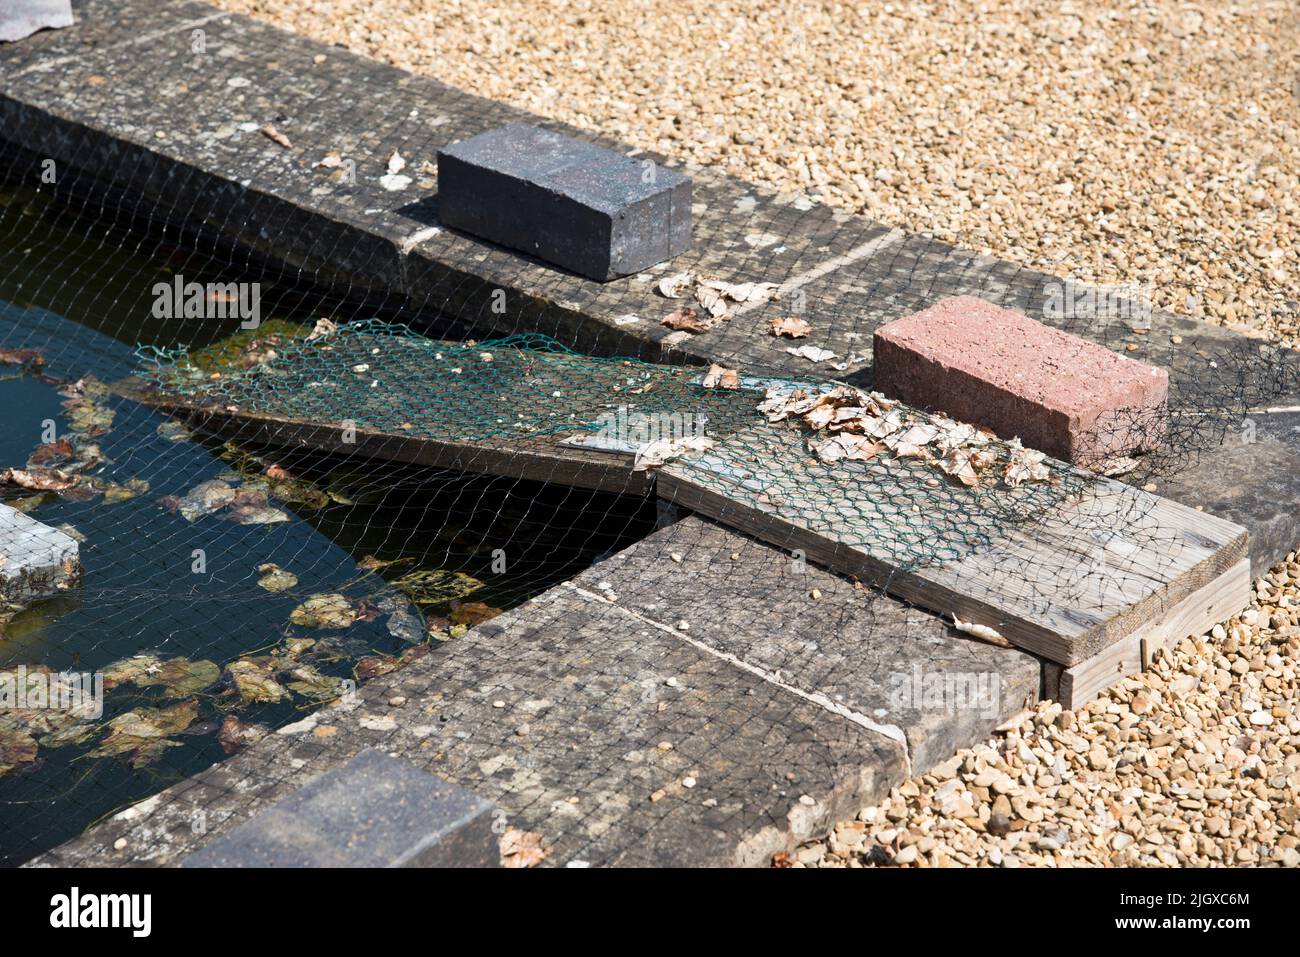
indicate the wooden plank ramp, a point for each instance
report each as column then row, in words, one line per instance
column 1065, row 572
column 1083, row 571
column 541, row 458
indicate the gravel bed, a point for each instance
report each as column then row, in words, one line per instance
column 1147, row 143
column 1195, row 762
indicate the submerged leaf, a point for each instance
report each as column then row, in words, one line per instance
column 17, row 750
column 235, row 735
column 436, row 586
column 472, row 612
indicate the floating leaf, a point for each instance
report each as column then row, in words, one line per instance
column 206, row 498
column 142, row 733
column 287, row 655
column 173, row 431
column 22, row 357
column 256, row 515
column 254, row 681
column 276, row 579
column 128, row 670
column 371, row 666
column 310, row 683
column 87, row 416
column 180, row 677
column 328, row 610
column 297, row 492
column 128, row 490
column 372, row 564
column 406, row 624
column 39, row 479
column 51, row 453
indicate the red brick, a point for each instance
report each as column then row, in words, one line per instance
column 989, row 366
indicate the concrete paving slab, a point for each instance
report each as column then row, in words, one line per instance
column 22, row 19
column 36, row 561
column 372, row 810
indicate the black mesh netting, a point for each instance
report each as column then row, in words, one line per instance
column 271, row 515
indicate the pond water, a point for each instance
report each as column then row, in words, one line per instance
column 226, row 588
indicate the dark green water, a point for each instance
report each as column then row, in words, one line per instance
column 82, row 293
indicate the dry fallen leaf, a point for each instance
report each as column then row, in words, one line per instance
column 395, row 163
column 1025, row 465
column 742, row 291
column 685, row 319
column 39, row 479
column 720, row 377
column 323, row 327
column 792, row 327
column 845, row 446
column 275, row 136
column 656, row 453
column 712, row 302
column 675, row 286
column 1120, row 465
column 521, row 848
column 811, row 353
column 982, row 632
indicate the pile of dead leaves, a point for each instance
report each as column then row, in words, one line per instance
column 852, row 425
column 713, row 299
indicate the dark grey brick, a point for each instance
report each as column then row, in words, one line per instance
column 589, row 209
column 370, row 811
